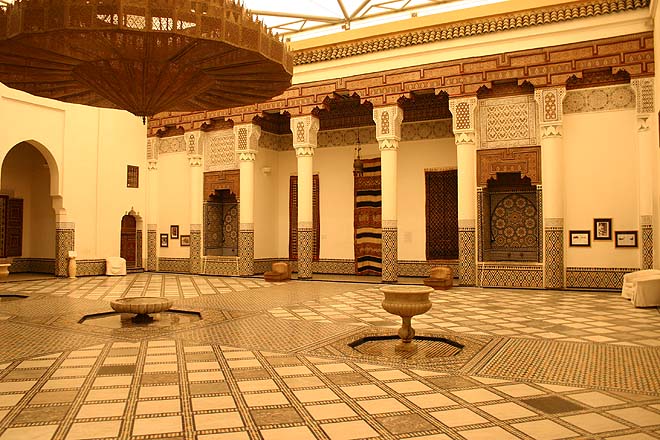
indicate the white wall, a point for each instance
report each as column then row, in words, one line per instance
column 266, row 197
column 87, row 150
column 601, row 175
column 25, row 175
column 174, row 201
column 414, row 157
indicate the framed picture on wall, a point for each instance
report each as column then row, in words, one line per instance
column 185, row 240
column 174, row 232
column 625, row 239
column 579, row 238
column 602, row 229
column 163, row 240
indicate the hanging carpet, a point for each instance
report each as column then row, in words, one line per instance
column 367, row 220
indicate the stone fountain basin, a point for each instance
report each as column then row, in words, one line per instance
column 406, row 301
column 141, row 305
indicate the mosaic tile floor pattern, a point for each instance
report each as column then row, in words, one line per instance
column 241, row 377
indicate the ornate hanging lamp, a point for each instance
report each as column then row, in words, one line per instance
column 358, row 166
column 144, row 56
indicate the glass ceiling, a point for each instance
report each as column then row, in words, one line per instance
column 303, row 19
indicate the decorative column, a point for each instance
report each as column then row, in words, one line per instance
column 388, row 133
column 247, row 142
column 550, row 112
column 463, row 110
column 65, row 237
column 196, row 199
column 305, row 130
column 152, row 204
column 646, row 139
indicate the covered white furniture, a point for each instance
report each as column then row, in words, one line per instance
column 642, row 288
column 115, row 266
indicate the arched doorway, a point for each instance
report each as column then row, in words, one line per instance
column 128, row 243
column 26, row 209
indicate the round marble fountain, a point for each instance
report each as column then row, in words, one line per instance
column 142, row 306
column 406, row 302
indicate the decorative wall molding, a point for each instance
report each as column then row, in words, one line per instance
column 510, row 275
column 226, row 266
column 347, row 137
column 463, row 29
column 598, row 99
column 174, row 144
column 276, row 142
column 508, row 121
column 219, row 151
column 36, row 265
column 548, row 66
column 526, row 160
column 610, row 278
column 644, row 90
column 174, row 265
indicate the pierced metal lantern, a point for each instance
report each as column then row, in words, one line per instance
column 144, row 56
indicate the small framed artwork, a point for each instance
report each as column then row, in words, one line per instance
column 185, row 240
column 174, row 232
column 579, row 238
column 625, row 239
column 163, row 240
column 602, row 229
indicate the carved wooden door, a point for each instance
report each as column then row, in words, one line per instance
column 128, row 240
column 14, row 228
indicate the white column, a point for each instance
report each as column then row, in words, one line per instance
column 550, row 117
column 247, row 142
column 388, row 133
column 647, row 142
column 463, row 111
column 195, row 160
column 305, row 130
column 152, row 204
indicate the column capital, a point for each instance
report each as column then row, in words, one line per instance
column 193, row 143
column 305, row 130
column 549, row 102
column 152, row 165
column 644, row 91
column 464, row 126
column 152, row 148
column 388, row 125
column 643, row 122
column 246, row 138
column 247, row 156
column 195, row 160
column 551, row 131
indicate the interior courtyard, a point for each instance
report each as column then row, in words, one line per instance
column 512, row 143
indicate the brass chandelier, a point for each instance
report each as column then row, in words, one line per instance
column 144, row 56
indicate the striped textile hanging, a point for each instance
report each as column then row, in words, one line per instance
column 367, row 220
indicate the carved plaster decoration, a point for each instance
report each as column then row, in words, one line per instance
column 152, row 148
column 597, row 99
column 463, row 110
column 388, row 123
column 174, row 144
column 247, row 140
column 550, row 107
column 275, row 142
column 305, row 134
column 526, row 160
column 438, row 129
column 644, row 90
column 219, row 151
column 195, row 144
column 247, row 156
column 508, row 121
column 152, row 165
column 195, row 160
column 551, row 131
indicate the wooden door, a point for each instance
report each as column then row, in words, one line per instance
column 14, row 228
column 128, row 245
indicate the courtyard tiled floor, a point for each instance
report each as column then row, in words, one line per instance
column 270, row 361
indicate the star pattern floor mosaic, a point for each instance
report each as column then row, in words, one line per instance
column 263, row 363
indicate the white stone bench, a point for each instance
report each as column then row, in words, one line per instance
column 642, row 288
column 115, row 266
